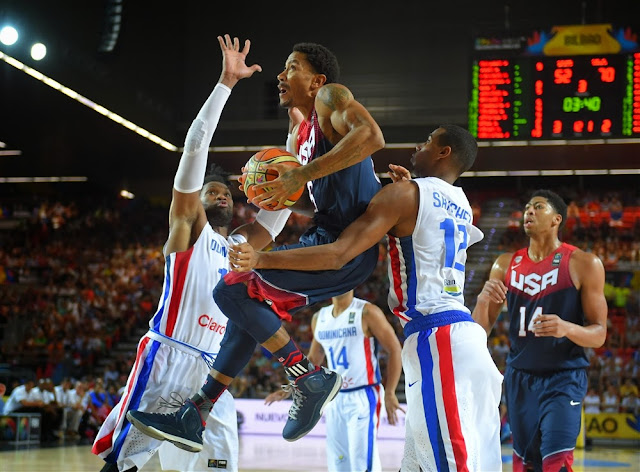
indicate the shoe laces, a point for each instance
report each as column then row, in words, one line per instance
column 298, row 399
column 175, row 401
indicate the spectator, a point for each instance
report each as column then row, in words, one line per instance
column 592, row 401
column 631, row 404
column 610, row 400
column 629, row 387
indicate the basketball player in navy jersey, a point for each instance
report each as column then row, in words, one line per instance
column 555, row 299
column 334, row 142
column 452, row 385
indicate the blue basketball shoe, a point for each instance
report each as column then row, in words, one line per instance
column 182, row 427
column 311, row 393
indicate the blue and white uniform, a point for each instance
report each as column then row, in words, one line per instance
column 353, row 417
column 452, row 385
column 174, row 356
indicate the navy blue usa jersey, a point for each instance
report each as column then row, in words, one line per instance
column 343, row 196
column 542, row 288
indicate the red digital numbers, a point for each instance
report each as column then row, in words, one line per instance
column 557, row 127
column 606, row 126
column 582, row 86
column 564, row 63
column 578, row 126
column 607, row 74
column 562, row 76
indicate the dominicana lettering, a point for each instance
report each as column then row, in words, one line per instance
column 215, row 246
column 337, row 333
column 457, row 211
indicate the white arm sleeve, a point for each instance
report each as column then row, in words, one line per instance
column 273, row 221
column 193, row 163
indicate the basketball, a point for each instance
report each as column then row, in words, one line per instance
column 257, row 173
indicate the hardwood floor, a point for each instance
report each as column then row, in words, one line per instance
column 273, row 454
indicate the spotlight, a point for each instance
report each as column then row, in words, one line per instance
column 38, row 51
column 8, row 35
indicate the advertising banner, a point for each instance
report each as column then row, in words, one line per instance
column 613, row 425
column 254, row 417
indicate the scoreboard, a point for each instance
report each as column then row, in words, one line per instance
column 575, row 82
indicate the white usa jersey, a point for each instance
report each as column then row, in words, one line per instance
column 348, row 351
column 186, row 311
column 426, row 269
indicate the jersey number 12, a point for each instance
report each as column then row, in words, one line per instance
column 453, row 251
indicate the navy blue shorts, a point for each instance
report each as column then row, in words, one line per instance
column 288, row 290
column 544, row 411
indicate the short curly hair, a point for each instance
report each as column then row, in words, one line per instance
column 321, row 59
column 217, row 174
column 555, row 200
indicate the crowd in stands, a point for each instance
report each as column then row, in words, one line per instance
column 77, row 278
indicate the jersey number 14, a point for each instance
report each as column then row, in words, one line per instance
column 523, row 313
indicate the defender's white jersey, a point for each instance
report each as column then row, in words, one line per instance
column 186, row 311
column 348, row 351
column 426, row 269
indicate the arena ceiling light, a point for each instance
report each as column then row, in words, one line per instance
column 22, row 180
column 87, row 102
column 8, row 35
column 38, row 51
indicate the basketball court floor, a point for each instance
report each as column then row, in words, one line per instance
column 273, row 454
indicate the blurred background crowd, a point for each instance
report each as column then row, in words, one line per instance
column 80, row 279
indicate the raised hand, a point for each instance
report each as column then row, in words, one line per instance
column 398, row 173
column 234, row 67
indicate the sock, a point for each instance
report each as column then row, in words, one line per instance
column 208, row 395
column 294, row 361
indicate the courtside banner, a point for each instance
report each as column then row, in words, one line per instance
column 254, row 417
column 612, row 425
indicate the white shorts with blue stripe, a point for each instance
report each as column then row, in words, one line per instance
column 352, row 421
column 453, row 391
column 159, row 370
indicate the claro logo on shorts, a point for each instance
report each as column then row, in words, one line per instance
column 207, row 322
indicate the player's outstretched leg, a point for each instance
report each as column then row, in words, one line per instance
column 182, row 427
column 311, row 393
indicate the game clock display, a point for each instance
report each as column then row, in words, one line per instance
column 571, row 96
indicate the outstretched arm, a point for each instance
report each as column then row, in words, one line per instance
column 186, row 215
column 383, row 214
column 348, row 125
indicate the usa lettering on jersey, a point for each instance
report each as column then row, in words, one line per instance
column 533, row 284
column 306, row 142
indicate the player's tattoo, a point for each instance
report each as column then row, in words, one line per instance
column 333, row 96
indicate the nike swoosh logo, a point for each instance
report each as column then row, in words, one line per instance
column 572, row 403
column 413, row 383
column 513, row 267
